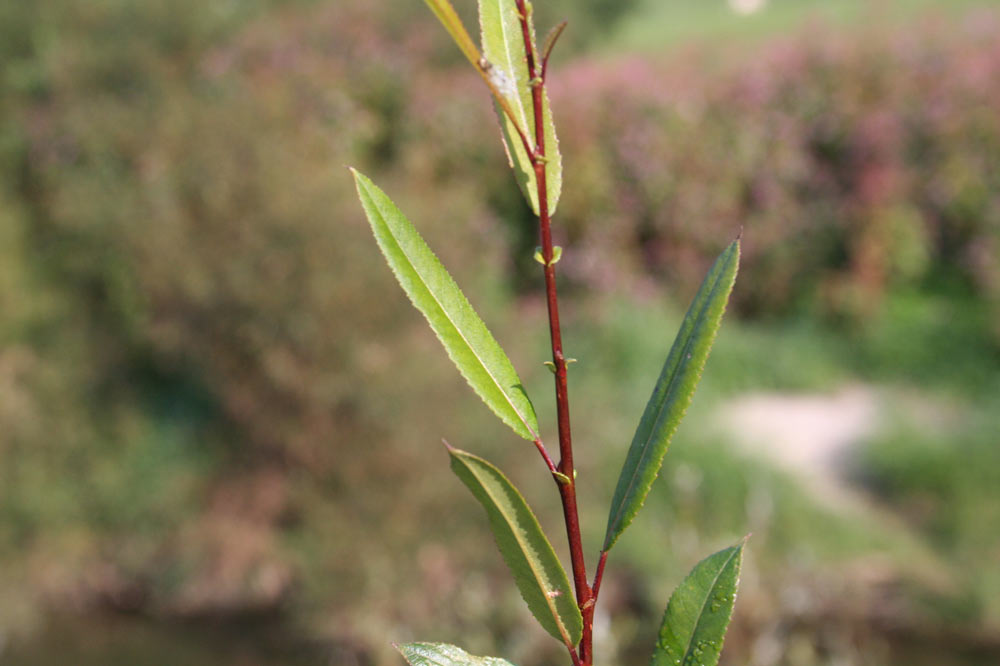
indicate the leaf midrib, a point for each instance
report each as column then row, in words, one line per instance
column 510, row 66
column 701, row 611
column 461, row 333
column 659, row 411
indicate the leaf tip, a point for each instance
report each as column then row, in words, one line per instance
column 360, row 179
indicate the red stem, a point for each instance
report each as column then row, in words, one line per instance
column 599, row 576
column 567, row 489
column 588, row 610
column 545, row 456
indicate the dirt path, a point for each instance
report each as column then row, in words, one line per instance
column 810, row 436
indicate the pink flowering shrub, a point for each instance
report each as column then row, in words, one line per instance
column 856, row 164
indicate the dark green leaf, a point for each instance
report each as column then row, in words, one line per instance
column 695, row 622
column 672, row 393
column 464, row 335
column 529, row 555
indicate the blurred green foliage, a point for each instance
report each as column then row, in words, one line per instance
column 942, row 474
column 207, row 377
column 659, row 24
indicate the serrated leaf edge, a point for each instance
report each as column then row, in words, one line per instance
column 364, row 183
column 469, row 659
column 610, row 539
column 737, row 552
column 526, row 121
column 525, row 547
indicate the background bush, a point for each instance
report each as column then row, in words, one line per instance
column 205, row 371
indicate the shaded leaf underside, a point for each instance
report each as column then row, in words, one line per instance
column 539, row 576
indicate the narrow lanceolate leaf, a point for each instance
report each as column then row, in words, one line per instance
column 695, row 622
column 503, row 48
column 539, row 575
column 442, row 654
column 464, row 335
column 672, row 393
column 449, row 19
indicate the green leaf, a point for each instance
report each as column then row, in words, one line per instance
column 529, row 555
column 503, row 47
column 672, row 393
column 442, row 654
column 464, row 335
column 696, row 618
column 449, row 19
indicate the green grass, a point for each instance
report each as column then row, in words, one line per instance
column 659, row 24
column 938, row 341
column 936, row 465
column 620, row 353
column 941, row 472
column 708, row 495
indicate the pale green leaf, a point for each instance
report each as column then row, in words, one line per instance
column 442, row 654
column 464, row 335
column 540, row 577
column 503, row 47
column 694, row 624
column 453, row 24
column 672, row 393
column 445, row 12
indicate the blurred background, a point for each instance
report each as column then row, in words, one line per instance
column 220, row 417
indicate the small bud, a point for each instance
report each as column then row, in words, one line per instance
column 550, row 365
column 556, row 255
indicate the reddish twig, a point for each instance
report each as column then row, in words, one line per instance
column 599, row 576
column 550, row 43
column 588, row 610
column 567, row 486
column 545, row 456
